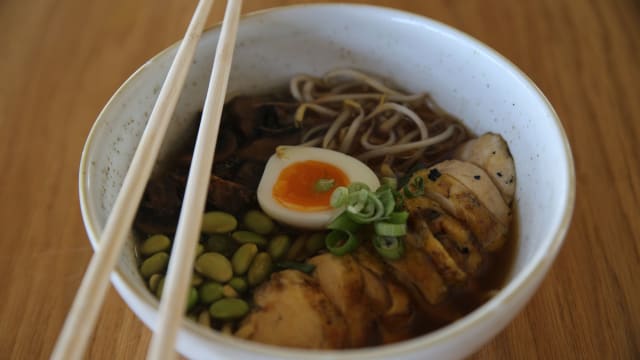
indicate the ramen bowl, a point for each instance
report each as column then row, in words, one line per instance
column 465, row 77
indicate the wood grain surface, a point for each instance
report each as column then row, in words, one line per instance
column 62, row 60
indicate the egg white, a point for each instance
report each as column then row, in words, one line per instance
column 354, row 169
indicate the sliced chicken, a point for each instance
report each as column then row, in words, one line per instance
column 416, row 272
column 341, row 280
column 291, row 310
column 423, row 239
column 491, row 153
column 462, row 203
column 477, row 180
column 456, row 239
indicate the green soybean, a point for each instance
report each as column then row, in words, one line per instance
column 221, row 244
column 218, row 222
column 160, row 288
column 196, row 279
column 199, row 249
column 248, row 237
column 260, row 269
column 229, row 309
column 243, row 257
column 315, row 243
column 214, row 266
column 192, row 298
column 210, row 292
column 155, row 264
column 155, row 244
column 154, row 280
column 296, row 249
column 204, row 318
column 258, row 222
column 229, row 292
column 278, row 246
column 239, row 284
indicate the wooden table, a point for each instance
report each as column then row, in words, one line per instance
column 63, row 59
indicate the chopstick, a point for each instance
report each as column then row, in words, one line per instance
column 178, row 277
column 81, row 319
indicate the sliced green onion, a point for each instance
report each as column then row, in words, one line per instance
column 383, row 228
column 415, row 188
column 304, row 267
column 341, row 242
column 324, row 185
column 339, row 197
column 398, row 217
column 357, row 186
column 389, row 247
column 388, row 201
column 390, row 182
column 344, row 223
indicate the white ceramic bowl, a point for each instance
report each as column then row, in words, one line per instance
column 464, row 76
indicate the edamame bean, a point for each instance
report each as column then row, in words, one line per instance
column 204, row 318
column 192, row 298
column 260, row 269
column 296, row 250
column 154, row 280
column 243, row 257
column 248, row 237
column 221, row 244
column 279, row 246
column 228, row 309
column 229, row 292
column 210, row 292
column 155, row 244
column 214, row 266
column 199, row 249
column 218, row 222
column 258, row 222
column 315, row 242
column 155, row 264
column 196, row 280
column 239, row 284
column 159, row 288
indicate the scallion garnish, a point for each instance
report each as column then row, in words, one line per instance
column 324, row 185
column 384, row 228
column 389, row 247
column 341, row 242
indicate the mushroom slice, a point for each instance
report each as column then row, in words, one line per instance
column 491, row 153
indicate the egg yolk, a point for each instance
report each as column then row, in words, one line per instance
column 297, row 185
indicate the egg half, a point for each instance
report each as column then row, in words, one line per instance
column 298, row 181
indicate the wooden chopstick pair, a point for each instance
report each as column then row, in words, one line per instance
column 81, row 319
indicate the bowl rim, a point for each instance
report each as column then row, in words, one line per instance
column 532, row 273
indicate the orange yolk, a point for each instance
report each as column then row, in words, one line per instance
column 296, row 189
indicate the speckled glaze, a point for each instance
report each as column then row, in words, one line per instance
column 465, row 77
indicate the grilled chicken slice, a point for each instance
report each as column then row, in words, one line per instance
column 462, row 203
column 477, row 180
column 291, row 310
column 341, row 280
column 416, row 272
column 422, row 238
column 491, row 153
column 456, row 239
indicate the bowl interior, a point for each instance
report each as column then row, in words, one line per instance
column 464, row 77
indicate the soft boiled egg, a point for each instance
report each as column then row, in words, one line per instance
column 298, row 181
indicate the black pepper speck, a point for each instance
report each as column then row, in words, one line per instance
column 434, row 174
column 499, row 174
column 477, row 177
